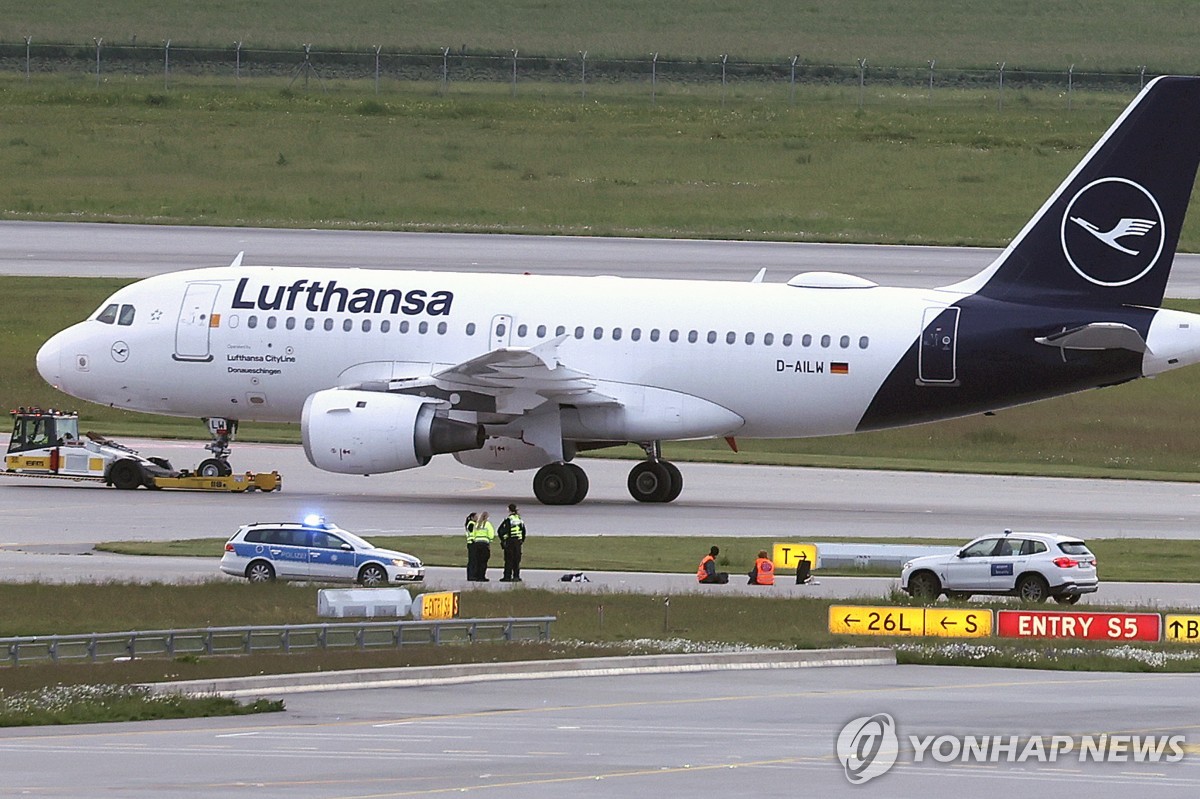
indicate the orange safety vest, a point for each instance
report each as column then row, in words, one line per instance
column 764, row 571
column 701, row 572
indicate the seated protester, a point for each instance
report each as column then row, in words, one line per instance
column 763, row 572
column 707, row 572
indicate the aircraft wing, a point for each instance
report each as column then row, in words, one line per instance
column 519, row 378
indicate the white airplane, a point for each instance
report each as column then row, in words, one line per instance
column 385, row 369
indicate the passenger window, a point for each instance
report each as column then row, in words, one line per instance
column 108, row 315
column 768, row 339
column 270, row 323
column 385, row 326
column 501, row 329
column 347, row 324
column 251, row 321
column 541, row 331
column 127, row 312
column 328, row 325
column 579, row 332
column 806, row 340
column 674, row 336
column 981, row 549
column 560, row 331
column 787, row 339
column 825, row 340
column 749, row 338
column 290, row 324
column 441, row 328
column 616, row 334
column 403, row 326
column 863, row 343
column 636, row 334
column 522, row 331
column 310, row 323
column 692, row 336
column 366, row 325
column 598, row 333
column 844, row 342
column 730, row 337
column 712, row 337
column 1033, row 547
column 654, row 334
column 423, row 328
column 470, row 328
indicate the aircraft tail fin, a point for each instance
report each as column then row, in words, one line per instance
column 1107, row 235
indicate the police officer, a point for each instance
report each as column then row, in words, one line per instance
column 481, row 542
column 469, row 525
column 512, row 537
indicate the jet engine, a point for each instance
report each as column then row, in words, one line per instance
column 368, row 432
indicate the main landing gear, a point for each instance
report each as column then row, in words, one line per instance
column 653, row 480
column 222, row 431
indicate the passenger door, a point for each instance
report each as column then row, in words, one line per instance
column 287, row 551
column 330, row 558
column 1007, row 562
column 971, row 570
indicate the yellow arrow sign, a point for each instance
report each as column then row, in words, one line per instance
column 958, row 623
column 865, row 620
column 1181, row 628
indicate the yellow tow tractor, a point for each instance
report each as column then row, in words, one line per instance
column 46, row 443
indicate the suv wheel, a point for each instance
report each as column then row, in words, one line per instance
column 1033, row 588
column 924, row 586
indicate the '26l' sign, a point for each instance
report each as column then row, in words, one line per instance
column 1082, row 625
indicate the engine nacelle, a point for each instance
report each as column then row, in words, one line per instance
column 368, row 432
column 504, row 454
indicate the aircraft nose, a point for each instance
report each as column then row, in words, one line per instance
column 49, row 361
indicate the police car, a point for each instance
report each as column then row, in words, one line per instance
column 314, row 550
column 1030, row 566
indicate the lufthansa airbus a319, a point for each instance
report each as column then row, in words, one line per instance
column 385, row 369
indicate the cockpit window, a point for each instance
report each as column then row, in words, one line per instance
column 126, row 318
column 108, row 315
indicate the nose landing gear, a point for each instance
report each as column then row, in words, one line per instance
column 222, row 431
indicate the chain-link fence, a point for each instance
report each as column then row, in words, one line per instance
column 448, row 69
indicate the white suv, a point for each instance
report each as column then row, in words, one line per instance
column 1031, row 566
column 315, row 551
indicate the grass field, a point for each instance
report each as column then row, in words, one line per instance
column 1109, row 35
column 958, row 172
column 587, row 625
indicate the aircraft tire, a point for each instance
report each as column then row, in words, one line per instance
column 556, row 484
column 676, row 481
column 581, row 483
column 650, row 481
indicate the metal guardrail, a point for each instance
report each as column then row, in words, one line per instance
column 287, row 638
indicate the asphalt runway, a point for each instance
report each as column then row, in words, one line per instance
column 136, row 251
column 767, row 733
column 783, row 503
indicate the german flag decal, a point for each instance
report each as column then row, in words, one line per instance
column 839, row 368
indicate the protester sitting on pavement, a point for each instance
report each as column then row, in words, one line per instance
column 707, row 572
column 763, row 572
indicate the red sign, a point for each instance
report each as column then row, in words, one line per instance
column 1084, row 626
